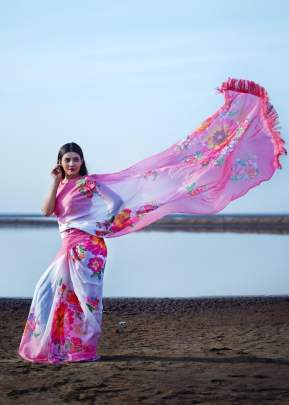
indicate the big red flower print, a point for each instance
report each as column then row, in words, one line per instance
column 96, row 264
column 78, row 252
column 57, row 333
column 87, row 187
column 76, row 344
column 123, row 219
column 92, row 303
column 97, row 245
column 72, row 300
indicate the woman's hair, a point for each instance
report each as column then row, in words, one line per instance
column 72, row 147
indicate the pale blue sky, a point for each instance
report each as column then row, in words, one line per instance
column 128, row 79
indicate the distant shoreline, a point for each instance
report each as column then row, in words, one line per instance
column 240, row 223
column 165, row 304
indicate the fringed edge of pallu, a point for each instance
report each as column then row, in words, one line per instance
column 270, row 114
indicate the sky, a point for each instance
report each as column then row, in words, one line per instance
column 128, row 79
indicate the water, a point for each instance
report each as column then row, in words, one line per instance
column 158, row 264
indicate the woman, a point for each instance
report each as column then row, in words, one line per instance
column 232, row 151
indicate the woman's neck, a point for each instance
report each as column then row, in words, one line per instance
column 66, row 179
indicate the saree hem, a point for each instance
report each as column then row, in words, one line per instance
column 77, row 358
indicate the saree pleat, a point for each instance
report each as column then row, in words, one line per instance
column 65, row 316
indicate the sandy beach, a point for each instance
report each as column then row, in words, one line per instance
column 227, row 350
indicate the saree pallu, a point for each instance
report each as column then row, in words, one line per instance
column 232, row 151
column 63, row 326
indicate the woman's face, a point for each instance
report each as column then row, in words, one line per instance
column 71, row 163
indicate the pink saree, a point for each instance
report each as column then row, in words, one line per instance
column 232, row 151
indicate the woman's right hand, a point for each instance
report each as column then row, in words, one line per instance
column 56, row 172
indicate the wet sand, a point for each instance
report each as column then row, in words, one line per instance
column 231, row 350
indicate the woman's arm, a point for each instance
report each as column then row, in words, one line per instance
column 49, row 203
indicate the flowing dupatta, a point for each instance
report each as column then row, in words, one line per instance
column 232, row 151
